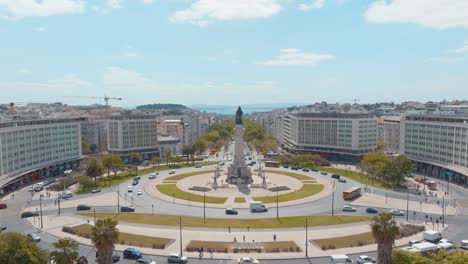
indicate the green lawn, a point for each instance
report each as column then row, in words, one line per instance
column 105, row 182
column 345, row 241
column 306, row 191
column 354, row 175
column 172, row 191
column 84, row 230
column 179, row 177
column 298, row 176
column 239, row 200
column 189, row 221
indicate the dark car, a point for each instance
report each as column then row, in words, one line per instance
column 294, row 168
column 83, row 207
column 82, row 260
column 305, row 170
column 335, row 176
column 3, row 227
column 96, row 191
column 230, row 211
column 285, row 166
column 135, row 183
column 371, row 210
column 145, row 261
column 3, row 206
column 126, row 209
column 115, row 257
column 315, row 170
column 131, row 253
column 29, row 214
column 136, row 178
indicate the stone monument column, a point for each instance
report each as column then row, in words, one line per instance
column 239, row 173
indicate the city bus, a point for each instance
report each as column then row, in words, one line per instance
column 271, row 163
column 352, row 193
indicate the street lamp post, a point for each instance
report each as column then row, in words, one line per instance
column 443, row 211
column 94, row 211
column 333, row 200
column 152, row 209
column 407, row 203
column 58, row 204
column 180, row 233
column 277, row 202
column 204, row 205
column 40, row 209
column 306, row 239
column 118, row 200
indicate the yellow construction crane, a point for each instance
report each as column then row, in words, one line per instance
column 105, row 98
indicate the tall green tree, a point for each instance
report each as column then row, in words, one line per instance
column 372, row 163
column 187, row 151
column 397, row 168
column 16, row 248
column 156, row 160
column 66, row 251
column 104, row 235
column 385, row 230
column 85, row 146
column 112, row 162
column 94, row 169
column 167, row 155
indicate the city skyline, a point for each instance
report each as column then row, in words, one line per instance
column 223, row 52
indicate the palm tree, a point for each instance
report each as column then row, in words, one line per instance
column 384, row 229
column 94, row 170
column 103, row 235
column 186, row 150
column 168, row 155
column 66, row 251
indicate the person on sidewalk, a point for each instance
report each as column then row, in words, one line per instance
column 229, row 228
column 243, row 237
column 248, row 228
column 274, row 237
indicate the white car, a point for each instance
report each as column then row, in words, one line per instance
column 397, row 212
column 247, row 260
column 172, row 172
column 365, row 259
column 348, row 208
column 443, row 240
column 152, row 176
column 464, row 244
column 140, row 192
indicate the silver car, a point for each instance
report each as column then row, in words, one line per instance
column 34, row 237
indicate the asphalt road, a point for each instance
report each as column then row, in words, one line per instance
column 457, row 230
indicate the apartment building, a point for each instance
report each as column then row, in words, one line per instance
column 389, row 132
column 34, row 149
column 336, row 136
column 438, row 144
column 133, row 134
column 95, row 132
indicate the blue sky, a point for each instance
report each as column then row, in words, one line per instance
column 233, row 51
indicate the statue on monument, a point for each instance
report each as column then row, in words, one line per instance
column 239, row 114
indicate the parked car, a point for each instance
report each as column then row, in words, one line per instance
column 397, row 212
column 348, row 208
column 314, row 170
column 152, row 176
column 365, row 259
column 67, row 195
column 96, row 191
column 145, row 261
column 115, row 257
column 140, row 192
column 126, row 209
column 34, row 237
column 29, row 214
column 444, row 240
column 135, row 183
column 247, row 260
column 335, row 176
column 131, row 253
column 172, row 172
column 83, row 207
column 285, row 166
column 3, row 227
column 323, row 173
column 3, row 206
column 176, row 258
column 136, row 178
column 464, row 244
column 343, row 180
column 414, row 242
column 82, row 260
column 198, row 166
column 294, row 168
column 231, row 211
column 305, row 170
column 371, row 210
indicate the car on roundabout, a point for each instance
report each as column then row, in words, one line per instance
column 29, row 214
column 305, row 170
column 371, row 210
column 131, row 253
column 348, row 208
column 3, row 227
column 247, row 260
column 323, row 173
column 342, row 180
column 96, row 191
column 172, row 172
column 83, row 207
column 136, row 178
column 198, row 166
column 153, row 175
column 365, row 259
column 126, row 209
column 34, row 237
column 135, row 182
column 176, row 258
column 231, row 211
column 140, row 192
column 397, row 212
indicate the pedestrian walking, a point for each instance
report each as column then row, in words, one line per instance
column 243, row 237
column 229, row 228
column 274, row 237
column 211, row 254
column 248, row 227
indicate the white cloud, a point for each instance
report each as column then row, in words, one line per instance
column 40, row 29
column 461, row 49
column 115, row 4
column 447, row 59
column 316, row 4
column 33, row 8
column 296, row 57
column 23, row 71
column 438, row 14
column 148, row 1
column 203, row 12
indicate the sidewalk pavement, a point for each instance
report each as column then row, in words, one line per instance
column 53, row 225
column 328, row 189
column 374, row 200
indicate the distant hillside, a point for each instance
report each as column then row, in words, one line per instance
column 162, row 106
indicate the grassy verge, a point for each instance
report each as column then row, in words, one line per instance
column 306, row 191
column 356, row 176
column 105, row 182
column 172, row 191
column 298, row 176
column 189, row 221
column 345, row 241
column 179, row 177
column 84, row 230
column 239, row 200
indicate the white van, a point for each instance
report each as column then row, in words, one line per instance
column 339, row 259
column 432, row 236
column 130, row 189
column 256, row 206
